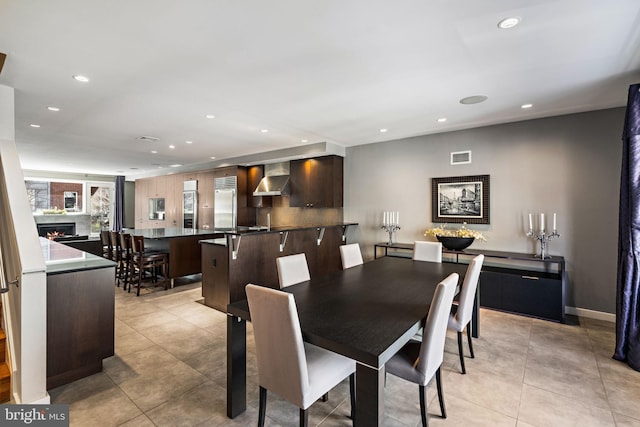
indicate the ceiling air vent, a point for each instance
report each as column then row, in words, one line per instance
column 148, row 138
column 461, row 157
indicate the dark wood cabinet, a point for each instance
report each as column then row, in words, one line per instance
column 317, row 182
column 254, row 175
column 519, row 283
column 532, row 293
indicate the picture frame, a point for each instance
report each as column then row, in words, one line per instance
column 460, row 199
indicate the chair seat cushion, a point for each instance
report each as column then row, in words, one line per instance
column 326, row 370
column 403, row 363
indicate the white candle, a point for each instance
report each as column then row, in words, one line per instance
column 554, row 222
column 542, row 223
column 384, row 218
column 530, row 223
column 393, row 218
column 398, row 218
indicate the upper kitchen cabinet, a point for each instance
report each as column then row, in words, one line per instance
column 254, row 175
column 317, row 182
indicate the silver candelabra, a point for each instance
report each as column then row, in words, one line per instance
column 541, row 235
column 544, row 240
column 391, row 228
column 390, row 223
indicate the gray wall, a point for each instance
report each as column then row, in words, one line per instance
column 567, row 164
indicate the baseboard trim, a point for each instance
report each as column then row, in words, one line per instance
column 591, row 314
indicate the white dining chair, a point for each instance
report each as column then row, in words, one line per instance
column 292, row 269
column 350, row 255
column 461, row 319
column 418, row 362
column 427, row 251
column 295, row 370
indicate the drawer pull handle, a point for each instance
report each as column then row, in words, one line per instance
column 530, row 277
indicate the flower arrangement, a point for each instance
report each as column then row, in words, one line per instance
column 460, row 232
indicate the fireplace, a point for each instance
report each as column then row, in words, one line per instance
column 59, row 231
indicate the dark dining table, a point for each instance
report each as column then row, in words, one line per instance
column 366, row 313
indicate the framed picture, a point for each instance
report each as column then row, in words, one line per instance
column 460, row 199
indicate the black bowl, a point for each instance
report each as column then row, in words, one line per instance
column 456, row 243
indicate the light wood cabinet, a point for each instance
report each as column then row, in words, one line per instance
column 205, row 199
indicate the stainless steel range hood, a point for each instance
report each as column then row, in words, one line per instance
column 275, row 182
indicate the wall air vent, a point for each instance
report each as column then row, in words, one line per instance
column 148, row 138
column 461, row 157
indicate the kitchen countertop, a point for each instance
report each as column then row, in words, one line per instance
column 162, row 233
column 243, row 230
column 59, row 258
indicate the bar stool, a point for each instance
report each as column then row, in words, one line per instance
column 125, row 260
column 149, row 261
column 107, row 249
column 116, row 254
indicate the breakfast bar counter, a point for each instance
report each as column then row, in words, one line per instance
column 243, row 256
column 80, row 312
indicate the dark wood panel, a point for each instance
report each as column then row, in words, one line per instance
column 80, row 324
column 317, row 182
column 215, row 276
column 256, row 261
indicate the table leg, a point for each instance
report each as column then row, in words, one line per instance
column 369, row 396
column 236, row 366
column 475, row 314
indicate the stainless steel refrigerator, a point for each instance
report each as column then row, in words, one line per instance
column 225, row 203
column 190, row 204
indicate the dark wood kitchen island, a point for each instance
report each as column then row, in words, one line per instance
column 249, row 256
column 182, row 245
column 80, row 312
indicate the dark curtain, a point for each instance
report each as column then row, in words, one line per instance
column 118, row 215
column 628, row 289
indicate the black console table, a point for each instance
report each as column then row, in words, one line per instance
column 510, row 281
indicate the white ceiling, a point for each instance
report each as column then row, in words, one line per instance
column 331, row 71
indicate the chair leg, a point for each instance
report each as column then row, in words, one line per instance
column 423, row 405
column 469, row 339
column 464, row 371
column 325, row 397
column 443, row 410
column 304, row 417
column 352, row 393
column 262, row 408
column 140, row 271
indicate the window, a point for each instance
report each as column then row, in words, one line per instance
column 55, row 197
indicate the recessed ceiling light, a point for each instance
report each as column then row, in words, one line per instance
column 264, row 130
column 510, row 22
column 442, row 119
column 172, row 146
column 210, row 116
column 475, row 99
column 174, row 166
column 384, row 130
column 53, row 108
column 188, row 142
column 33, row 125
column 81, row 78
column 304, row 140
column 212, row 157
column 154, row 152
column 526, row 106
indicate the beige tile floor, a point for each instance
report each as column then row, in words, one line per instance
column 169, row 370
